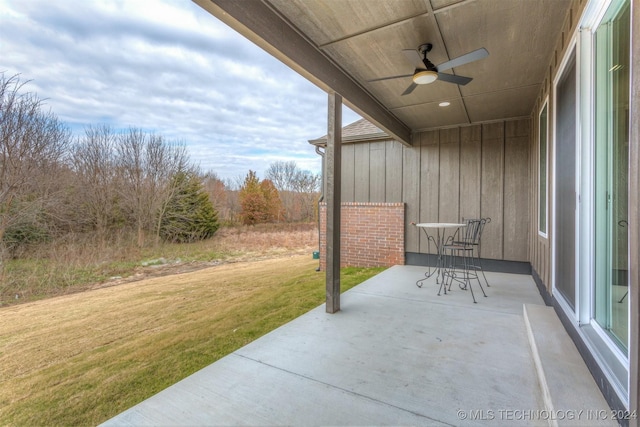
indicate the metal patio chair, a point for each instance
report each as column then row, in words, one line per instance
column 477, row 264
column 463, row 256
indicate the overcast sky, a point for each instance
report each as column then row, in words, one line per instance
column 169, row 67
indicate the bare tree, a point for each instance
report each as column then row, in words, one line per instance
column 236, row 183
column 33, row 143
column 297, row 189
column 306, row 186
column 147, row 163
column 282, row 174
column 94, row 163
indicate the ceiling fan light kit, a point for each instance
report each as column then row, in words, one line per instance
column 423, row 77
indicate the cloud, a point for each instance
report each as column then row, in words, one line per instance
column 169, row 67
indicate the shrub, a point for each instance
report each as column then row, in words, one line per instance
column 189, row 215
column 24, row 234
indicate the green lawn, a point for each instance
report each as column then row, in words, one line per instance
column 80, row 359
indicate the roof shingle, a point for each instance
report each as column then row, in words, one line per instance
column 358, row 131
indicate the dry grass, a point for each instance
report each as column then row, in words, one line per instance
column 78, row 263
column 269, row 237
column 80, row 359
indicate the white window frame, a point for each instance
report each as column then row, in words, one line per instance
column 571, row 50
column 545, row 233
column 599, row 343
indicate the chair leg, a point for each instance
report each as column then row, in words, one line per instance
column 443, row 274
column 465, row 271
column 450, row 270
column 467, row 274
column 623, row 297
column 483, row 275
column 471, row 265
column 481, row 288
column 443, row 285
column 459, row 269
column 479, row 265
column 460, row 265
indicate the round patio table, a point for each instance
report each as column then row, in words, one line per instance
column 436, row 233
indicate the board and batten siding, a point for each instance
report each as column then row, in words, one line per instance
column 450, row 174
column 540, row 245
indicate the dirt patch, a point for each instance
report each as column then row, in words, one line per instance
column 248, row 243
column 179, row 267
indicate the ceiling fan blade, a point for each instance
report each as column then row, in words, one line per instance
column 464, row 59
column 413, row 57
column 390, row 78
column 450, row 78
column 410, row 89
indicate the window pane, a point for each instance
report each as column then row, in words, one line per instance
column 612, row 172
column 565, row 181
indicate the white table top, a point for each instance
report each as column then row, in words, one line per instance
column 440, row 225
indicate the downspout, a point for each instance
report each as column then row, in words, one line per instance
column 321, row 154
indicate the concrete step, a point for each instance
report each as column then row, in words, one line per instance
column 571, row 395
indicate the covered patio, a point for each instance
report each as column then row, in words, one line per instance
column 510, row 130
column 397, row 354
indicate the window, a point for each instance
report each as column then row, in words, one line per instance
column 542, row 171
column 611, row 71
column 566, row 139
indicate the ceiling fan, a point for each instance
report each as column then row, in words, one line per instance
column 426, row 72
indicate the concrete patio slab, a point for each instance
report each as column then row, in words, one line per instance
column 395, row 355
column 562, row 371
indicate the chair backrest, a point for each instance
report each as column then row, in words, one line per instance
column 473, row 231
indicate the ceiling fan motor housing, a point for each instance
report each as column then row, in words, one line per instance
column 424, row 49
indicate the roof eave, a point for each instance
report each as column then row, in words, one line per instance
column 322, row 142
column 259, row 23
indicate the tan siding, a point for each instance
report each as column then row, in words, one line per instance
column 516, row 190
column 362, row 171
column 348, row 173
column 394, row 172
column 377, row 172
column 547, row 264
column 411, row 194
column 449, row 175
column 470, row 176
column 492, row 189
column 429, row 181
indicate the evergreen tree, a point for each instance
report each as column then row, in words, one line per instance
column 189, row 215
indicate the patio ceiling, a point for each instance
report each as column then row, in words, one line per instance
column 342, row 45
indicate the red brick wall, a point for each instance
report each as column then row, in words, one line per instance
column 371, row 234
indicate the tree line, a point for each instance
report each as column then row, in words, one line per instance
column 53, row 184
